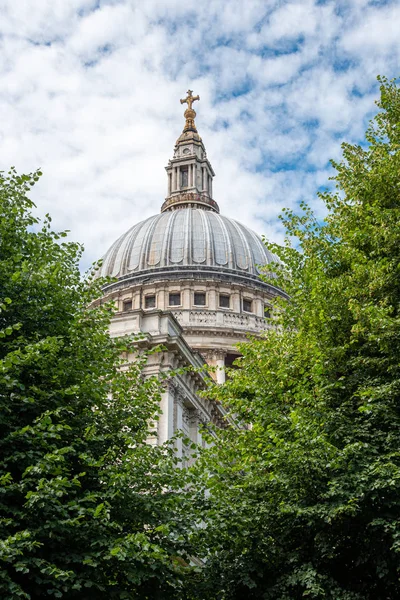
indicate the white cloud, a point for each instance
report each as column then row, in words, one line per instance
column 90, row 93
column 377, row 31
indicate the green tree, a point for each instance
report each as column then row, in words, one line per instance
column 87, row 508
column 305, row 502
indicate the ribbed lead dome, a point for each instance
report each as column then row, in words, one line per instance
column 186, row 239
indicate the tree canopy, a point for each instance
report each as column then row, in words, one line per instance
column 304, row 496
column 88, row 509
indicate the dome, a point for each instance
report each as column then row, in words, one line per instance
column 187, row 241
column 190, row 239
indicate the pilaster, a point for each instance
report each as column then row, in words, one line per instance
column 166, row 421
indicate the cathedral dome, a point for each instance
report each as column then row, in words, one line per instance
column 187, row 241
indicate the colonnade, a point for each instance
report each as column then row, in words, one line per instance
column 174, row 179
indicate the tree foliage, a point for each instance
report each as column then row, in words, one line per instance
column 304, row 501
column 87, row 508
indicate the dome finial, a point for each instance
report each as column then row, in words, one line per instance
column 189, row 113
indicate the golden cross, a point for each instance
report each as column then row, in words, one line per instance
column 190, row 99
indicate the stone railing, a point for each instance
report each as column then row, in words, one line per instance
column 202, row 317
column 185, row 198
column 216, row 318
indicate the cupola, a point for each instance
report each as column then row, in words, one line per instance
column 190, row 174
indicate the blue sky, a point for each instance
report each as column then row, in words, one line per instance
column 90, row 93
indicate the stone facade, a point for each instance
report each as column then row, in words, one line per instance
column 206, row 327
column 181, row 407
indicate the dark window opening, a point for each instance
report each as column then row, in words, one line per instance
column 229, row 364
column 127, row 305
column 199, row 299
column 174, row 299
column 267, row 311
column 224, row 301
column 184, row 177
column 149, row 301
column 247, row 305
column 230, row 359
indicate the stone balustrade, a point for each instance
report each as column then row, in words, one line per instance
column 215, row 318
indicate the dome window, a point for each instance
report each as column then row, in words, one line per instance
column 127, row 305
column 224, row 301
column 150, row 301
column 247, row 305
column 199, row 299
column 175, row 299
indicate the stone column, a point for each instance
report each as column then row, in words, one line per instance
column 178, row 179
column 179, row 422
column 136, row 299
column 208, row 355
column 220, row 364
column 173, row 179
column 195, row 422
column 236, row 301
column 186, row 300
column 161, row 299
column 166, row 422
column 258, row 307
column 212, row 299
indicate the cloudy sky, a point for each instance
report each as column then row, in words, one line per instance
column 90, row 93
